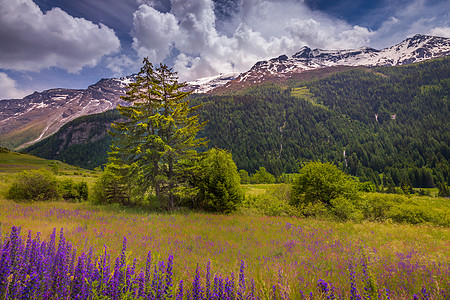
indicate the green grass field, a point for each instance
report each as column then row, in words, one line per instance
column 12, row 163
column 301, row 251
column 290, row 253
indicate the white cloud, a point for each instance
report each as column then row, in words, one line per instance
column 440, row 31
column 32, row 40
column 121, row 64
column 154, row 32
column 260, row 29
column 410, row 18
column 8, row 89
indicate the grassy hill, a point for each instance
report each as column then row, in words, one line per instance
column 12, row 163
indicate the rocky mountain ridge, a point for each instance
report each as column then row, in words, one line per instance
column 412, row 50
column 39, row 115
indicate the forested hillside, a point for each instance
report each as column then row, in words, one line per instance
column 83, row 142
column 369, row 121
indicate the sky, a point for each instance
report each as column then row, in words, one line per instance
column 74, row 43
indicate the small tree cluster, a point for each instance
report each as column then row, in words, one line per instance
column 42, row 185
column 218, row 182
column 322, row 188
column 154, row 154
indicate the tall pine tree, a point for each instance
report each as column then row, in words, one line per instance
column 154, row 146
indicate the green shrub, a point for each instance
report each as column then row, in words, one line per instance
column 245, row 178
column 323, row 187
column 262, row 176
column 218, row 182
column 368, row 187
column 110, row 188
column 405, row 209
column 34, row 185
column 73, row 192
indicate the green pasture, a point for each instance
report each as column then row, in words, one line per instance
column 271, row 247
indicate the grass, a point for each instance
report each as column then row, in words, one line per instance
column 12, row 163
column 291, row 253
column 301, row 251
column 304, row 93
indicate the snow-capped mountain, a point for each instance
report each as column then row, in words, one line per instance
column 206, row 84
column 39, row 115
column 412, row 50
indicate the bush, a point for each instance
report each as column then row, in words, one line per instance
column 274, row 202
column 322, row 186
column 35, row 185
column 245, row 178
column 404, row 209
column 218, row 182
column 262, row 176
column 73, row 192
column 110, row 188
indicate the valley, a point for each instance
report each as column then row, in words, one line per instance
column 332, row 184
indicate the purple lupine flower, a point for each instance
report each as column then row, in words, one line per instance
column 169, row 275
column 425, row 295
column 241, row 289
column 208, row 280
column 141, row 283
column 353, row 291
column 253, row 291
column 220, row 288
column 154, row 287
column 180, row 291
column 229, row 288
column 148, row 270
column 197, row 293
column 302, row 295
column 216, row 286
column 323, row 286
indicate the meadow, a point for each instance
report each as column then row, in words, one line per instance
column 285, row 254
column 59, row 250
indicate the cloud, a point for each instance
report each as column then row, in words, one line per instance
column 120, row 64
column 154, row 32
column 33, row 40
column 440, row 31
column 8, row 89
column 412, row 17
column 254, row 30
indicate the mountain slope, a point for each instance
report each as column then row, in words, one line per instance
column 29, row 120
column 82, row 142
column 412, row 50
column 390, row 120
column 39, row 115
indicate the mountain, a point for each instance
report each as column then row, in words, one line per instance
column 207, row 84
column 368, row 120
column 82, row 142
column 412, row 50
column 39, row 115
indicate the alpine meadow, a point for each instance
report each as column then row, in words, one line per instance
column 316, row 176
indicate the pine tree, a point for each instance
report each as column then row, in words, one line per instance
column 154, row 147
